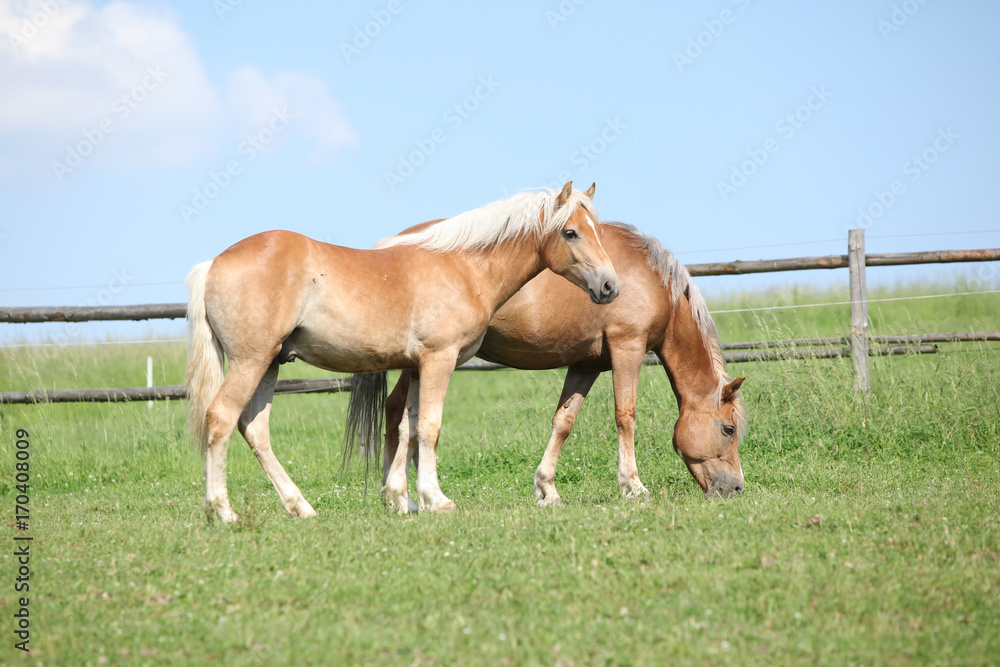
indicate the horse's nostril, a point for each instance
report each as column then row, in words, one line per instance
column 608, row 287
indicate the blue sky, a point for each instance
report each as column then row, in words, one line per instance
column 139, row 138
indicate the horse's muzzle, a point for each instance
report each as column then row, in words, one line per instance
column 724, row 485
column 606, row 291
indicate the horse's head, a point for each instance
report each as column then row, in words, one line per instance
column 574, row 251
column 707, row 436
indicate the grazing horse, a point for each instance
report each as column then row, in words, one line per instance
column 421, row 302
column 660, row 310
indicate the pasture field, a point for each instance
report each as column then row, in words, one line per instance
column 869, row 533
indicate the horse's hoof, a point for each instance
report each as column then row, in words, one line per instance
column 635, row 491
column 401, row 503
column 225, row 515
column 545, row 492
column 445, row 508
column 551, row 500
column 302, row 509
column 441, row 505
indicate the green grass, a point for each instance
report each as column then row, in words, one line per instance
column 867, row 534
column 887, row 316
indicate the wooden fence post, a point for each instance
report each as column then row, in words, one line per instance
column 149, row 379
column 859, row 309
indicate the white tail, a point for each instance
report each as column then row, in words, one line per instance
column 205, row 357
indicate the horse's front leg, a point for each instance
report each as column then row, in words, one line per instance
column 626, row 364
column 435, row 374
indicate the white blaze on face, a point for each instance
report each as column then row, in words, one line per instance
column 590, row 221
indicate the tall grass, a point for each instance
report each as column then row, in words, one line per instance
column 789, row 312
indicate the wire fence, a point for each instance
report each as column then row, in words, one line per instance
column 847, row 303
column 858, row 340
column 177, row 283
column 916, row 297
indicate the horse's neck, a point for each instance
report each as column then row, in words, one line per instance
column 506, row 268
column 686, row 356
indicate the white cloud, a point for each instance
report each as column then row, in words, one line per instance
column 129, row 82
column 317, row 115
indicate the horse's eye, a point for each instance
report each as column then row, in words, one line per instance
column 728, row 430
column 570, row 234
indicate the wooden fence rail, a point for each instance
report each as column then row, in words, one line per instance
column 914, row 339
column 841, row 262
column 179, row 310
column 149, row 311
column 334, row 385
column 163, row 393
column 856, row 261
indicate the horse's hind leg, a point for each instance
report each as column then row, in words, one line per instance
column 395, row 410
column 395, row 489
column 626, row 364
column 255, row 427
column 236, row 391
column 575, row 389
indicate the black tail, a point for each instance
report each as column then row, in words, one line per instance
column 365, row 419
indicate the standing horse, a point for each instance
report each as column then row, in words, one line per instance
column 422, row 302
column 546, row 325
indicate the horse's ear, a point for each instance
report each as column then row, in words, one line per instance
column 564, row 195
column 590, row 191
column 731, row 388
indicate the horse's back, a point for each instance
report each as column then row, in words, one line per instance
column 338, row 308
column 550, row 323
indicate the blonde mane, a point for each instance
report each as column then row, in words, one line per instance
column 526, row 213
column 675, row 278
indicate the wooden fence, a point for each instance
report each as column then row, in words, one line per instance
column 856, row 344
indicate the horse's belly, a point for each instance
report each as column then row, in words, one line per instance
column 345, row 351
column 529, row 350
